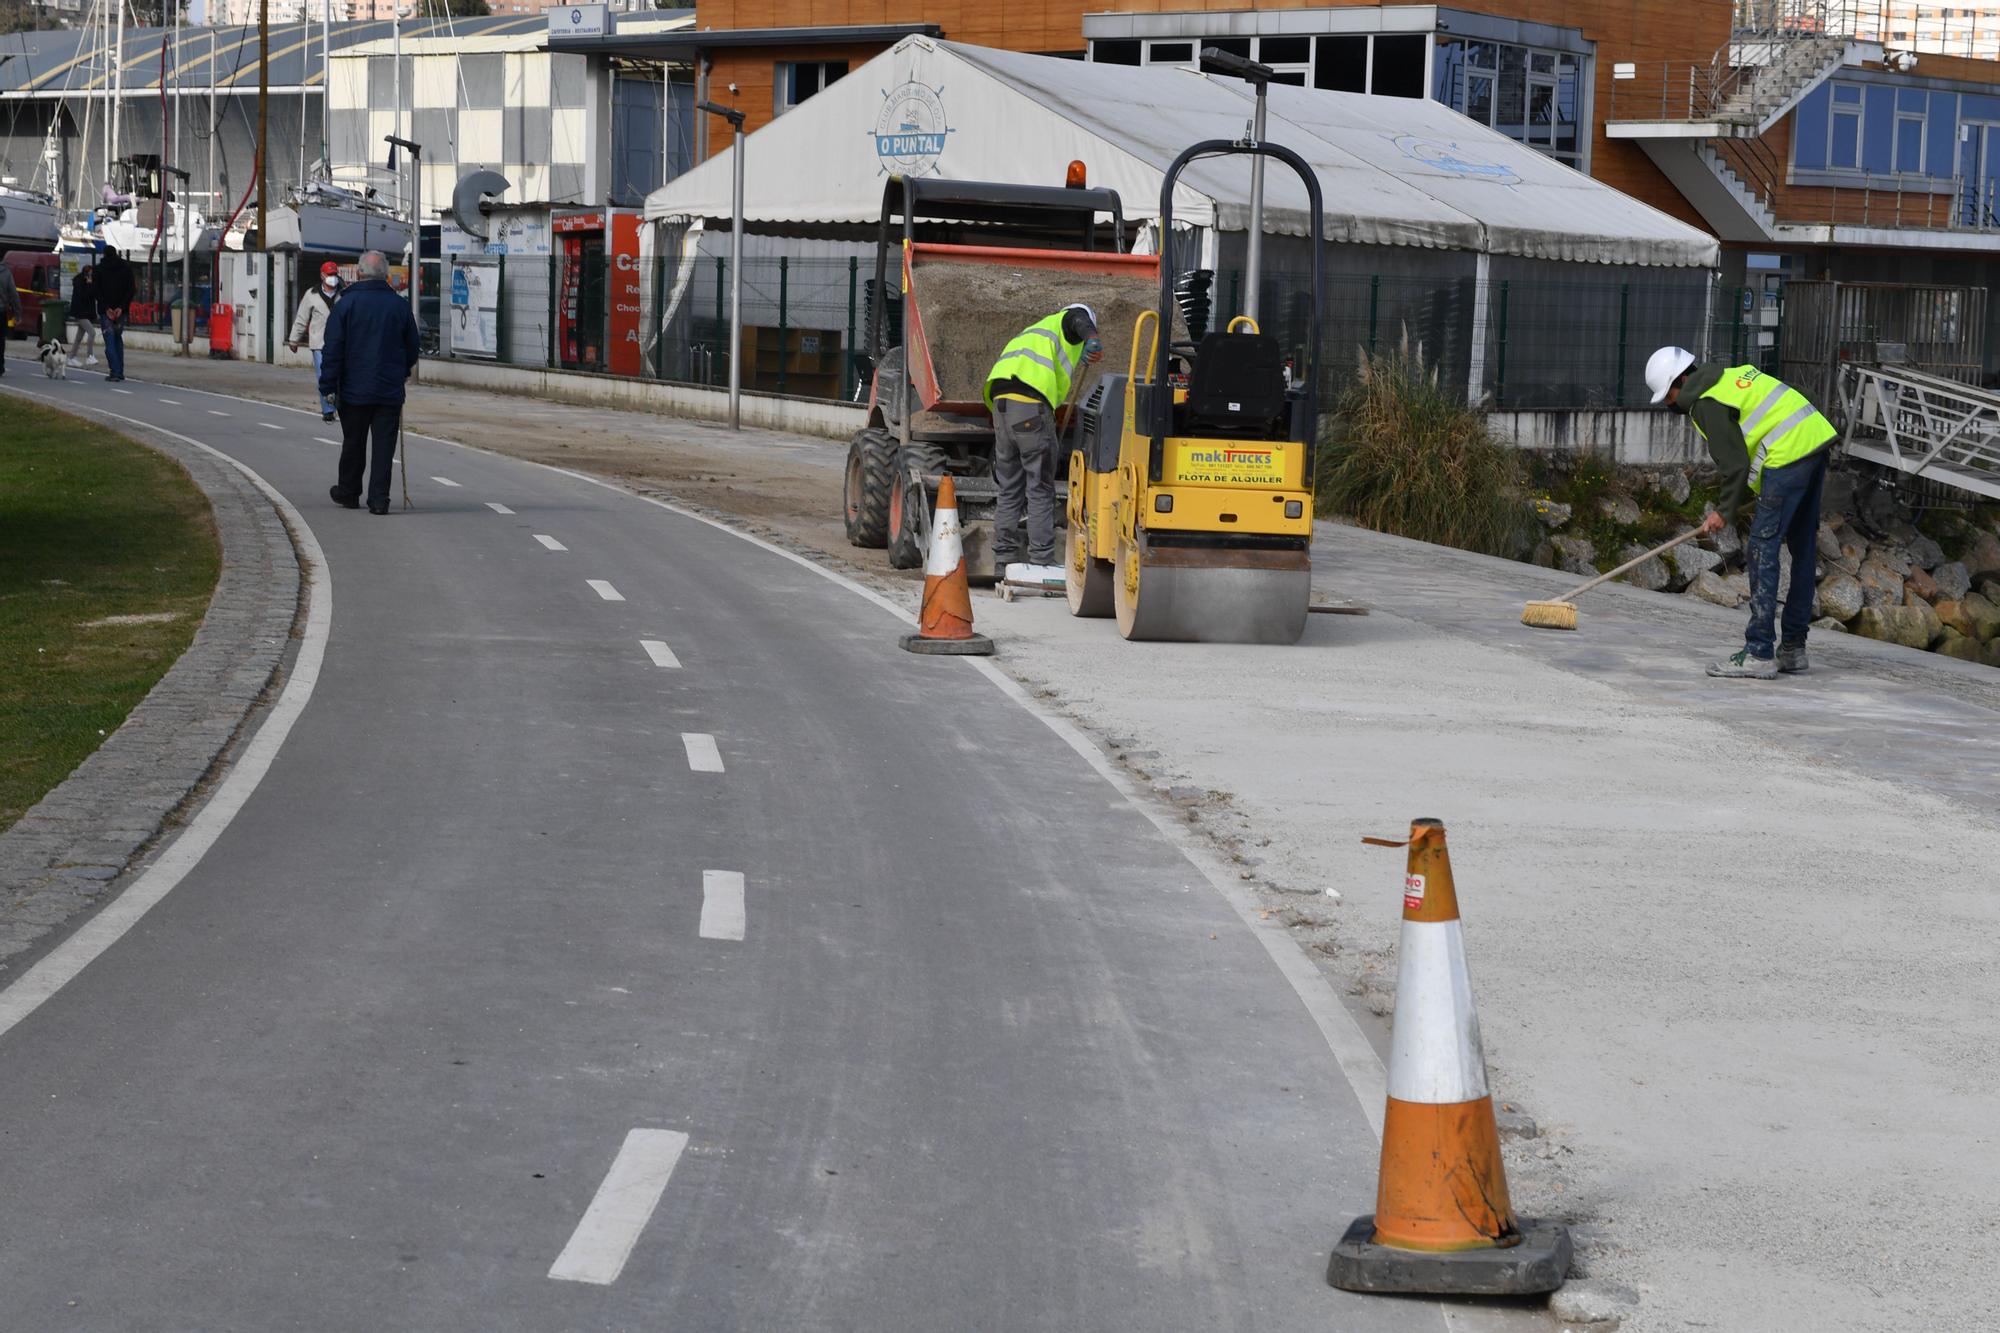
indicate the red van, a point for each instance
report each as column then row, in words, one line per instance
column 35, row 276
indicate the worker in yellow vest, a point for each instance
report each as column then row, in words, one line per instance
column 1027, row 384
column 1769, row 443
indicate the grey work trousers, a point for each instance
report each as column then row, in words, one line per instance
column 1024, row 470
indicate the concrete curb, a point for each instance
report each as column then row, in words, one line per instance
column 65, row 853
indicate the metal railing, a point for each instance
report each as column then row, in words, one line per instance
column 1923, row 425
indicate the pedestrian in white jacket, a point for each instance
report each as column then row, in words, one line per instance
column 309, row 324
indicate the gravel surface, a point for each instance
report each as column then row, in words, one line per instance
column 984, row 307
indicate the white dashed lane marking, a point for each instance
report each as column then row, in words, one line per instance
column 624, row 1203
column 721, row 905
column 497, row 507
column 216, row 412
column 116, row 389
column 550, row 542
column 323, row 440
column 605, row 590
column 662, row 655
column 703, row 756
column 171, row 402
column 445, row 481
column 267, row 425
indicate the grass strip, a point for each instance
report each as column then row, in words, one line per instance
column 108, row 558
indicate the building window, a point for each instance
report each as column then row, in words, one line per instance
column 1530, row 95
column 1844, row 141
column 799, row 79
column 1910, row 143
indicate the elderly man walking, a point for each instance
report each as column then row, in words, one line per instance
column 370, row 350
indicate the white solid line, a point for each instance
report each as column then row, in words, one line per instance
column 61, row 964
column 171, row 402
column 605, row 590
column 624, row 1203
column 550, row 542
column 703, row 757
column 445, row 481
column 662, row 655
column 497, row 507
column 214, row 413
column 721, row 905
column 323, row 440
column 267, row 425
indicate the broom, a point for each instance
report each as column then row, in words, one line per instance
column 1560, row 614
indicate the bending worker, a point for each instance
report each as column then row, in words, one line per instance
column 1769, row 443
column 1027, row 384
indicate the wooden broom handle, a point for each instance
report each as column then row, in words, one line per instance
column 1633, row 563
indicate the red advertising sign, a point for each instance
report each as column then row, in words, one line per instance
column 622, row 255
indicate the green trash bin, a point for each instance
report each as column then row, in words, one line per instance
column 55, row 320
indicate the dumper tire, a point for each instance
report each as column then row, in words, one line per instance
column 910, row 505
column 865, row 492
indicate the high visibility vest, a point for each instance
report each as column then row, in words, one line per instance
column 1779, row 425
column 1041, row 358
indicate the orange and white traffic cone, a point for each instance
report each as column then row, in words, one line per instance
column 944, row 624
column 1442, row 1224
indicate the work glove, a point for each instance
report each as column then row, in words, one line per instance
column 1093, row 350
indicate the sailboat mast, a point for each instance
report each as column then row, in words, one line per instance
column 263, row 120
column 113, row 139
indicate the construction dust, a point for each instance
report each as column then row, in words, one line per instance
column 971, row 311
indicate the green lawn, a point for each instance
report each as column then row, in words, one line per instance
column 92, row 526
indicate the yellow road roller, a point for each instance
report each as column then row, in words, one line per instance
column 1191, row 480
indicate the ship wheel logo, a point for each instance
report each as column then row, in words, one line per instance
column 910, row 132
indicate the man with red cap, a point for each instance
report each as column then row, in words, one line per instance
column 309, row 324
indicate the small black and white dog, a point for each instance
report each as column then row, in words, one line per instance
column 55, row 360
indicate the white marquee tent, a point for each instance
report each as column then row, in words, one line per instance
column 1394, row 171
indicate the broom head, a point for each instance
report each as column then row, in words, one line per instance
column 1550, row 615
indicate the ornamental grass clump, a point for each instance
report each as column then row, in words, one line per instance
column 1405, row 456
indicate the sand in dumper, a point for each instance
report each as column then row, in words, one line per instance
column 971, row 311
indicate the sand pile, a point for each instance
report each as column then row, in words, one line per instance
column 971, row 311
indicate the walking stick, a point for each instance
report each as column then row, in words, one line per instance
column 403, row 457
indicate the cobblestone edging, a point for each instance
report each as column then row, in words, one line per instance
column 67, row 851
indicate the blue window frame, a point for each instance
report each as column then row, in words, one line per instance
column 1844, row 139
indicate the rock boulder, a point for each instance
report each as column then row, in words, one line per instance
column 1952, row 613
column 1893, row 624
column 1620, row 509
column 1985, row 617
column 1709, row 587
column 1922, row 584
column 1652, row 575
column 1551, row 514
column 1983, row 556
column 1576, row 555
column 1691, row 562
column 1954, row 644
column 1840, row 597
column 1926, row 552
column 1953, row 579
column 1880, row 585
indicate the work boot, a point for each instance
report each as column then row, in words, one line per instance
column 1792, row 658
column 1744, row 666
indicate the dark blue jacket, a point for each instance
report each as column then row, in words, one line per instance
column 371, row 345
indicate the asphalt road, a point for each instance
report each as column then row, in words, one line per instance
column 921, row 1023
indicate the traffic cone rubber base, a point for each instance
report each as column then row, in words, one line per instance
column 1537, row 1264
column 976, row 646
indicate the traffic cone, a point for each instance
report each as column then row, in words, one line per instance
column 944, row 624
column 1443, row 1224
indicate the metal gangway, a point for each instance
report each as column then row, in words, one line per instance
column 1924, row 425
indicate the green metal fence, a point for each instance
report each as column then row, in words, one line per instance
column 1538, row 336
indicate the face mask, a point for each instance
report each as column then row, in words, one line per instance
column 330, row 283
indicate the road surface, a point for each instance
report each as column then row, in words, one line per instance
column 627, row 934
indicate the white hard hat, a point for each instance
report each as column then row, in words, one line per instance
column 1078, row 305
column 1664, row 367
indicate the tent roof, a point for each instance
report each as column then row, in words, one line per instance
column 1395, row 171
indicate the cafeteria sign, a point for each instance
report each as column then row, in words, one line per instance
column 910, row 132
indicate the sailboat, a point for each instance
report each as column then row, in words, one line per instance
column 29, row 220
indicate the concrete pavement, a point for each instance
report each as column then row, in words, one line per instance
column 991, row 1051
column 1732, row 941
